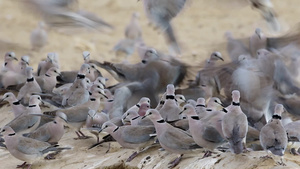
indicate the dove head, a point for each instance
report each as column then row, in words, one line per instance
column 143, row 109
column 170, row 89
column 84, row 69
column 236, row 96
column 61, row 115
column 153, row 115
column 50, row 57
column 109, row 127
column 150, row 55
column 189, row 110
column 9, row 96
column 180, row 98
column 7, row 131
column 10, row 56
column 35, row 100
column 214, row 102
column 144, row 100
column 259, row 33
column 25, row 59
column 262, row 53
column 29, row 71
column 279, row 109
column 86, row 56
column 101, row 80
column 201, row 101
column 216, row 56
column 54, row 71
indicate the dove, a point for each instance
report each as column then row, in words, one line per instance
column 65, row 14
column 16, row 107
column 24, row 62
column 172, row 139
column 26, row 149
column 257, row 41
column 235, row 125
column 27, row 121
column 9, row 57
column 265, row 7
column 39, row 37
column 86, row 56
column 96, row 119
column 203, row 132
column 160, row 13
column 135, row 117
column 48, row 81
column 170, row 110
column 132, row 137
column 51, row 61
column 135, row 108
column 50, row 132
column 31, row 86
column 273, row 136
column 133, row 30
column 108, row 104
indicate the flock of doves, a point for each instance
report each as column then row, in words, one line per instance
column 254, row 96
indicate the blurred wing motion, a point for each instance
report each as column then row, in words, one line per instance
column 65, row 13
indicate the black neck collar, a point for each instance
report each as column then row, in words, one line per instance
column 137, row 105
column 116, row 129
column 110, row 100
column 92, row 99
column 135, row 118
column 236, row 103
column 12, row 134
column 170, row 97
column 47, row 75
column 32, row 105
column 275, row 116
column 208, row 109
column 30, row 80
column 16, row 102
column 160, row 121
column 224, row 110
column 195, row 117
column 80, row 76
column 200, row 105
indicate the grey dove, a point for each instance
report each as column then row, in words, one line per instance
column 39, row 37
column 160, row 13
column 16, row 106
column 132, row 137
column 235, row 125
column 50, row 132
column 170, row 110
column 204, row 134
column 51, row 61
column 273, row 136
column 9, row 57
column 96, row 119
column 48, row 81
column 31, row 86
column 26, row 149
column 172, row 139
column 133, row 30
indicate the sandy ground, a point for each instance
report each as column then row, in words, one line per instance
column 200, row 29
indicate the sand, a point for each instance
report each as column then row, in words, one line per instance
column 200, row 30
